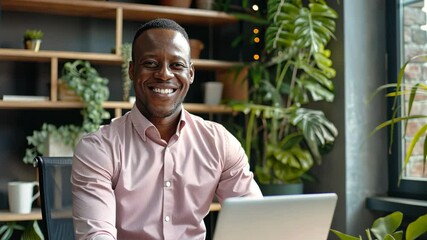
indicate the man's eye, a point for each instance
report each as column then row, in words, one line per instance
column 150, row 64
column 178, row 65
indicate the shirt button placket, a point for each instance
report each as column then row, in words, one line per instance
column 168, row 193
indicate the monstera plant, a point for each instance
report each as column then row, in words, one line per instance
column 284, row 135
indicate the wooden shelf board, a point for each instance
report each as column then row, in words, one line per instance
column 47, row 55
column 131, row 11
column 6, row 215
column 191, row 107
column 205, row 64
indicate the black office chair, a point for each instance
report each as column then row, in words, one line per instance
column 56, row 198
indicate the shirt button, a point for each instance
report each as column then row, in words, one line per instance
column 167, row 218
column 167, row 183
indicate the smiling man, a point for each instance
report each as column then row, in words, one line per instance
column 153, row 173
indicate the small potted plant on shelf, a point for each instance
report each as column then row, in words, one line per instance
column 92, row 89
column 284, row 136
column 33, row 39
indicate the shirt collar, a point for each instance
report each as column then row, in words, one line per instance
column 142, row 124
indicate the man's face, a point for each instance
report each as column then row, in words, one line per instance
column 161, row 72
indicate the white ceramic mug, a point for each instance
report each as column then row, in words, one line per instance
column 21, row 196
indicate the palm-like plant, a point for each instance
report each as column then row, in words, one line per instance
column 402, row 89
column 294, row 70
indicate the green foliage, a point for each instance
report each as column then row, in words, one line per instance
column 85, row 81
column 33, row 34
column 31, row 232
column 409, row 91
column 387, row 228
column 295, row 70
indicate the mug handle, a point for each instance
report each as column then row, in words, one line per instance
column 35, row 183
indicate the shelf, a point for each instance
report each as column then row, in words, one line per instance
column 191, row 107
column 6, row 216
column 46, row 56
column 131, row 11
column 104, row 58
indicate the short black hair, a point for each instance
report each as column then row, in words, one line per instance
column 164, row 23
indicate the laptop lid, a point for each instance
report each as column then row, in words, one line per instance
column 289, row 217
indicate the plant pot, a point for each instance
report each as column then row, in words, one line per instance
column 212, row 92
column 281, row 189
column 33, row 45
column 65, row 93
column 55, row 148
column 196, row 47
column 205, row 4
column 235, row 83
column 176, row 3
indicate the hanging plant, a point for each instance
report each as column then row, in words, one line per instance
column 93, row 90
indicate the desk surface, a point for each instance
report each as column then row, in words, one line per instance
column 6, row 216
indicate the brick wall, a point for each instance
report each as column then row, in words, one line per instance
column 415, row 43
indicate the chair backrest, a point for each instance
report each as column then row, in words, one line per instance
column 56, row 197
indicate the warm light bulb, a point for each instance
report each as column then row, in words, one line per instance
column 256, row 57
column 255, row 7
column 256, row 31
column 256, row 39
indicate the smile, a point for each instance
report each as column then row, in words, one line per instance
column 163, row 90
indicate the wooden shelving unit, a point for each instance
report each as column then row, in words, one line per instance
column 113, row 10
column 119, row 12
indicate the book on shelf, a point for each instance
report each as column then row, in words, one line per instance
column 24, row 98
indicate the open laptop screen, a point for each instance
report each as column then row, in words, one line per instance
column 293, row 217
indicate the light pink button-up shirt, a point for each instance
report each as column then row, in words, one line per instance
column 128, row 183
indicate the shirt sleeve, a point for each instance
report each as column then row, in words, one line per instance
column 236, row 179
column 94, row 207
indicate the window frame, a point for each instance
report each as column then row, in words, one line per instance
column 406, row 188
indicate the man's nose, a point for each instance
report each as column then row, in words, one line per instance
column 164, row 73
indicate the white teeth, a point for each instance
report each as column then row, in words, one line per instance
column 163, row 91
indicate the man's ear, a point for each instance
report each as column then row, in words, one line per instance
column 130, row 70
column 192, row 72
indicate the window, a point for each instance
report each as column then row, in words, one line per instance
column 405, row 40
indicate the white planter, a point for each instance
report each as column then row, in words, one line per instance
column 55, row 148
column 212, row 92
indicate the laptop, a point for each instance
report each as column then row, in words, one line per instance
column 288, row 217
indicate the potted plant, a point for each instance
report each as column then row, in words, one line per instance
column 387, row 228
column 82, row 78
column 285, row 135
column 30, row 231
column 33, row 39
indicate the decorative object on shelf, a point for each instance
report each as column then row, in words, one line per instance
column 92, row 89
column 212, row 92
column 205, row 4
column 21, row 196
column 33, row 39
column 176, row 3
column 196, row 47
column 388, row 227
column 127, row 83
column 30, row 231
column 65, row 93
column 286, row 137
